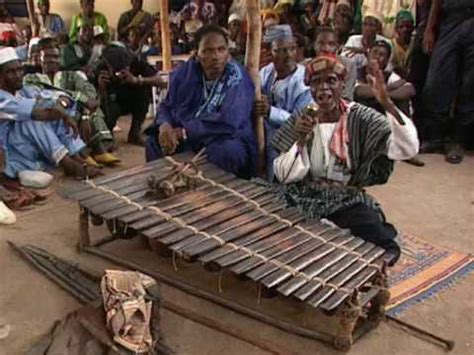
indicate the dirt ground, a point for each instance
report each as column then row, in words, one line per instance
column 434, row 202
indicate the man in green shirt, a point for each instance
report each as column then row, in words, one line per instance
column 75, row 85
column 76, row 54
column 88, row 17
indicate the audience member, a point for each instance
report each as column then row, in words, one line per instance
column 282, row 84
column 124, row 83
column 357, row 47
column 343, row 21
column 209, row 104
column 135, row 18
column 402, row 43
column 29, row 144
column 87, row 17
column 236, row 40
column 450, row 82
column 48, row 22
column 399, row 90
column 88, row 114
column 77, row 54
column 326, row 43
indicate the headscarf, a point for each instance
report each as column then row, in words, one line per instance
column 404, row 15
column 278, row 33
column 322, row 63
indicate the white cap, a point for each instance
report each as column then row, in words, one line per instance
column 8, row 54
column 35, row 179
column 234, row 17
column 98, row 30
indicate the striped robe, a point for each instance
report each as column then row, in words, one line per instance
column 369, row 133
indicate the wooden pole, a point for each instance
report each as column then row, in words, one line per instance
column 33, row 20
column 165, row 35
column 252, row 62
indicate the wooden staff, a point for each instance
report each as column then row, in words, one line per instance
column 252, row 62
column 165, row 35
column 33, row 20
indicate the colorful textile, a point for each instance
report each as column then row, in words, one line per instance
column 424, row 270
column 78, row 21
column 325, row 62
column 218, row 114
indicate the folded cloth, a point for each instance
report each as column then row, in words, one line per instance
column 6, row 215
column 35, row 179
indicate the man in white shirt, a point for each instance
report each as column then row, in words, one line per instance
column 357, row 47
column 329, row 156
column 399, row 90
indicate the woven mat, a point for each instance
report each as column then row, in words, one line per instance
column 423, row 270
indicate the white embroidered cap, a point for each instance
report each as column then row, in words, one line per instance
column 8, row 54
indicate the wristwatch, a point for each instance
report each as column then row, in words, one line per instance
column 64, row 102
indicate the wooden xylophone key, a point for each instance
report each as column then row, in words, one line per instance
column 204, row 190
column 241, row 207
column 205, row 212
column 160, row 169
column 281, row 275
column 121, row 179
column 240, row 227
column 132, row 215
column 320, row 272
column 287, row 255
column 273, row 250
column 228, row 219
column 185, row 234
column 192, row 207
column 260, row 229
column 324, row 291
column 358, row 270
column 104, row 207
column 228, row 255
column 140, row 184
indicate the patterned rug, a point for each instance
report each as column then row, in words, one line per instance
column 423, row 270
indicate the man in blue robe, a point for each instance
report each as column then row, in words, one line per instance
column 282, row 84
column 209, row 104
column 35, row 126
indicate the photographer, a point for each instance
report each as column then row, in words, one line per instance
column 124, row 83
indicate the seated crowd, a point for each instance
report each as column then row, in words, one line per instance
column 344, row 93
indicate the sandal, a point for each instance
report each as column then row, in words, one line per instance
column 22, row 200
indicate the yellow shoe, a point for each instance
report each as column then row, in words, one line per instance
column 107, row 159
column 91, row 162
